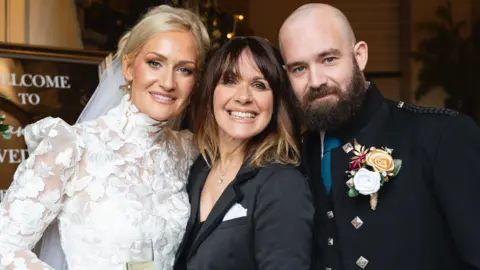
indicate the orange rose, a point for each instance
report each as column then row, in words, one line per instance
column 380, row 160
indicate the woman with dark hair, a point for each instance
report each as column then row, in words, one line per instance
column 250, row 207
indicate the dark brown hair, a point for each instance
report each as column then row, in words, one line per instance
column 278, row 142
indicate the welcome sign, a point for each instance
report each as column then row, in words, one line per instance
column 37, row 82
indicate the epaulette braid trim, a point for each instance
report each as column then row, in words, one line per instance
column 426, row 110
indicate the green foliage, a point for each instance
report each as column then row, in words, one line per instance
column 447, row 61
column 4, row 128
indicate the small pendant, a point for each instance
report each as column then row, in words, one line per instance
column 220, row 181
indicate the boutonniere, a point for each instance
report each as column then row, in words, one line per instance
column 369, row 170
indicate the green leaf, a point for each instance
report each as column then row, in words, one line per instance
column 7, row 136
column 3, row 128
column 352, row 193
column 397, row 166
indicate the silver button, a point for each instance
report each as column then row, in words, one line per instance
column 362, row 262
column 330, row 214
column 330, row 241
column 357, row 222
column 347, row 148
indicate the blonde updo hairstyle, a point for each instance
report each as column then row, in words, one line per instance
column 161, row 19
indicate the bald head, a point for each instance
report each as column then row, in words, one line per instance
column 318, row 16
column 324, row 63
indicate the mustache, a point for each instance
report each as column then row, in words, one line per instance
column 320, row 92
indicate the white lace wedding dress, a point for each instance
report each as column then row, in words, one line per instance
column 109, row 182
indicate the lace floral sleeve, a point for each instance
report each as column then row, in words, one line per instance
column 35, row 196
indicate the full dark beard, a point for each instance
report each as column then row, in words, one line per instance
column 330, row 115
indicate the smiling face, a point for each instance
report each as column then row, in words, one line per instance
column 316, row 57
column 244, row 105
column 243, row 101
column 325, row 67
column 162, row 74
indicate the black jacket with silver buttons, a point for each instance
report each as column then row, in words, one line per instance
column 427, row 217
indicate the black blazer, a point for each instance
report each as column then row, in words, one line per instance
column 427, row 216
column 275, row 233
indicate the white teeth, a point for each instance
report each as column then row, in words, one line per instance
column 158, row 96
column 242, row 114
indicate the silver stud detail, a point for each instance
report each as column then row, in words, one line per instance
column 350, row 183
column 330, row 241
column 357, row 222
column 328, row 268
column 362, row 262
column 330, row 214
column 400, row 104
column 347, row 148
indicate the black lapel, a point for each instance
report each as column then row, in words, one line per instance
column 372, row 134
column 364, row 128
column 370, row 108
column 339, row 166
column 196, row 179
column 200, row 178
column 311, row 165
column 229, row 197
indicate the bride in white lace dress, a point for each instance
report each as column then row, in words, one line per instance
column 119, row 177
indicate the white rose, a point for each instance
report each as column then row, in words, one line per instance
column 366, row 182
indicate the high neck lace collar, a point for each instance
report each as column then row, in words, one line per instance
column 134, row 125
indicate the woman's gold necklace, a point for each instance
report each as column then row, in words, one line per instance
column 220, row 180
column 222, row 174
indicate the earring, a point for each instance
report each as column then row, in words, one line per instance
column 129, row 85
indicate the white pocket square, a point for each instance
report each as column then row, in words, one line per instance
column 236, row 211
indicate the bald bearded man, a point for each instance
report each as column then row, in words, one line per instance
column 411, row 205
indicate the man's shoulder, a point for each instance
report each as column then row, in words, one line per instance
column 418, row 111
column 429, row 124
column 422, row 117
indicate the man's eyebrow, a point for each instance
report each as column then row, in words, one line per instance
column 325, row 53
column 335, row 52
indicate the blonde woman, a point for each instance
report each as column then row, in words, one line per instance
column 119, row 177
